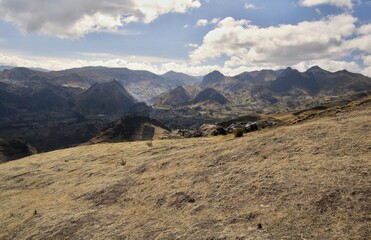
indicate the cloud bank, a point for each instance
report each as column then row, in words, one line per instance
column 73, row 19
column 337, row 3
column 247, row 44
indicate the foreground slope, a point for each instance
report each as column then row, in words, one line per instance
column 310, row 180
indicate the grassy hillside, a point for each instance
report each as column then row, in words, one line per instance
column 310, row 180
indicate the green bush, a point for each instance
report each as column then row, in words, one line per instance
column 238, row 133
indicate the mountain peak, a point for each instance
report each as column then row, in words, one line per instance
column 213, row 77
column 288, row 69
column 315, row 68
column 107, row 97
column 215, row 72
column 175, row 97
column 343, row 71
column 210, row 94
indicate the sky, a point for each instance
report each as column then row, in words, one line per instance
column 190, row 36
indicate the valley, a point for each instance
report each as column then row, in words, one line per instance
column 309, row 179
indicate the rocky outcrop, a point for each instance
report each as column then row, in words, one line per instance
column 209, row 130
column 12, row 149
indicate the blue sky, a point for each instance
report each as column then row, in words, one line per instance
column 191, row 36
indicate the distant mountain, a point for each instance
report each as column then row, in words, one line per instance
column 175, row 97
column 2, row 68
column 73, row 81
column 105, row 74
column 209, row 94
column 143, row 85
column 176, row 78
column 316, row 80
column 212, row 78
column 105, row 98
column 259, row 77
column 18, row 74
column 292, row 79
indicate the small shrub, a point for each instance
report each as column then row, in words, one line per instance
column 238, row 133
column 122, row 162
column 150, row 144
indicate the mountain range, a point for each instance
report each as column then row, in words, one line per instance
column 56, row 109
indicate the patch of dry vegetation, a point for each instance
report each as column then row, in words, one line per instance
column 306, row 181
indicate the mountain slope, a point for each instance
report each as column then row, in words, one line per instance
column 258, row 77
column 176, row 78
column 209, row 94
column 142, row 84
column 109, row 97
column 316, row 80
column 175, row 97
column 305, row 181
column 292, row 79
column 212, row 78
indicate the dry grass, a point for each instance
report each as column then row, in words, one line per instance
column 307, row 181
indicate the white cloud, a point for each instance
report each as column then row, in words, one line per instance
column 329, row 65
column 337, row 3
column 366, row 71
column 202, row 22
column 367, row 60
column 186, row 26
column 247, row 44
column 362, row 43
column 364, row 29
column 249, row 6
column 75, row 18
column 192, row 45
column 214, row 20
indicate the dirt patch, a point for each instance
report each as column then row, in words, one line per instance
column 69, row 229
column 180, row 199
column 329, row 202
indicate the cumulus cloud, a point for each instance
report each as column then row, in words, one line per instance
column 364, row 29
column 337, row 3
column 75, row 18
column 214, row 20
column 247, row 44
column 363, row 39
column 192, row 45
column 329, row 65
column 367, row 60
column 202, row 22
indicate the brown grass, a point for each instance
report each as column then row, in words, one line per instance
column 306, row 181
